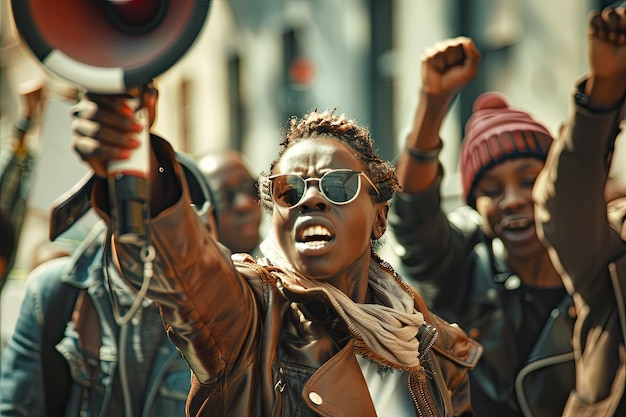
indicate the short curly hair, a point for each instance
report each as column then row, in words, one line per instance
column 325, row 125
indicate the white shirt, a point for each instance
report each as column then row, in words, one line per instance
column 389, row 389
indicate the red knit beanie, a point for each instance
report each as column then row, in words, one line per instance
column 494, row 133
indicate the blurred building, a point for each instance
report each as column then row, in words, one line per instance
column 257, row 63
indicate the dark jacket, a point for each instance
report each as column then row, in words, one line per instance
column 108, row 380
column 590, row 244
column 465, row 279
column 256, row 350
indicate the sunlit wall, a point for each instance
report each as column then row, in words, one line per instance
column 258, row 62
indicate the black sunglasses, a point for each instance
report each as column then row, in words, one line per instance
column 339, row 186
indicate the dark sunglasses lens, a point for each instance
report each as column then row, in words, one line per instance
column 341, row 186
column 287, row 190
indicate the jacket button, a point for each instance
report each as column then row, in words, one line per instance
column 315, row 398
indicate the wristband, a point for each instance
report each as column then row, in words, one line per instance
column 425, row 155
column 581, row 99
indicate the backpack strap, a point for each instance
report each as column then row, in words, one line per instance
column 55, row 369
column 59, row 310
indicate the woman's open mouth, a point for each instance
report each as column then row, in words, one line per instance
column 314, row 237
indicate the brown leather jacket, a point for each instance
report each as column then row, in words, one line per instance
column 587, row 238
column 258, row 351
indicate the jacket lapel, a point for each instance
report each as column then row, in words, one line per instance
column 336, row 383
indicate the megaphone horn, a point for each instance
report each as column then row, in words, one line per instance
column 109, row 46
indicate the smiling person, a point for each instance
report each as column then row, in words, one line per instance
column 319, row 325
column 483, row 263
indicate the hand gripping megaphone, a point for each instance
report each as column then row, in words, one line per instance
column 109, row 47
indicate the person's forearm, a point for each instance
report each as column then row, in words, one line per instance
column 434, row 252
column 605, row 92
column 200, row 293
column 570, row 193
column 205, row 304
column 416, row 176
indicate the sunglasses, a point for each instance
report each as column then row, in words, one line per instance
column 340, row 186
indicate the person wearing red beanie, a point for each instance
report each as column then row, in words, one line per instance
column 483, row 263
column 494, row 133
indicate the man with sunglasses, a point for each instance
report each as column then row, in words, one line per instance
column 237, row 195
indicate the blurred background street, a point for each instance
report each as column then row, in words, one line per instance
column 257, row 63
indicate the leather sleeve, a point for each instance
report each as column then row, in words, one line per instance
column 571, row 212
column 573, row 222
column 207, row 307
column 435, row 249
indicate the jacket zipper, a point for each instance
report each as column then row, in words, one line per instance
column 422, row 405
column 422, row 402
column 279, row 387
column 429, row 339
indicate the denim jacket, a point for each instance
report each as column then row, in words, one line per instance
column 138, row 372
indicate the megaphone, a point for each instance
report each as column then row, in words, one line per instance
column 109, row 47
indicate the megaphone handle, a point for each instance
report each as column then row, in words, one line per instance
column 129, row 187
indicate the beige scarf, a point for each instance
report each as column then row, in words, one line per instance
column 383, row 333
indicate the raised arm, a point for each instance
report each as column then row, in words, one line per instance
column 205, row 303
column 571, row 208
column 447, row 67
column 571, row 214
column 434, row 252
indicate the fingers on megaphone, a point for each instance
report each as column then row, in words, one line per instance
column 84, row 109
column 98, row 154
column 86, row 147
column 101, row 136
column 86, row 128
column 117, row 112
column 88, row 150
column 103, row 119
